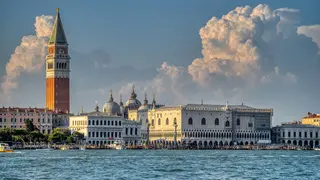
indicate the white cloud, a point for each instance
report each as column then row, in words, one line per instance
column 312, row 31
column 29, row 56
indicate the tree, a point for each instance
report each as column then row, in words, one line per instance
column 5, row 134
column 36, row 136
column 29, row 125
column 77, row 136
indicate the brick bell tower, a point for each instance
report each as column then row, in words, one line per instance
column 58, row 69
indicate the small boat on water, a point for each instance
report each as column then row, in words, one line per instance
column 118, row 145
column 4, row 147
column 82, row 148
column 317, row 149
column 64, row 147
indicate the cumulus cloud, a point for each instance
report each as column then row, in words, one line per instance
column 30, row 55
column 248, row 52
column 312, row 31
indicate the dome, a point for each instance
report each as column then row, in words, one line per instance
column 133, row 102
column 111, row 107
column 145, row 105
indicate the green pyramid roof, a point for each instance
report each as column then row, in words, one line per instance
column 57, row 35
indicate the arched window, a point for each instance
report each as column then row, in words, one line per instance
column 203, row 121
column 238, row 122
column 159, row 121
column 190, row 121
column 167, row 121
column 216, row 121
column 227, row 123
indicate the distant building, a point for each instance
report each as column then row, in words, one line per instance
column 296, row 134
column 311, row 118
column 45, row 120
column 101, row 128
column 58, row 69
column 205, row 125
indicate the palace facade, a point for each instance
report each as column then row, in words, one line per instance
column 204, row 125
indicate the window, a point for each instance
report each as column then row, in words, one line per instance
column 311, row 134
column 104, row 134
column 97, row 134
column 119, row 123
column 131, row 131
column 116, row 123
column 227, row 124
column 238, row 122
column 251, row 125
column 92, row 122
column 203, row 121
column 126, row 131
column 50, row 65
column 300, row 134
column 115, row 134
column 108, row 123
column 105, row 122
column 316, row 134
column 89, row 134
column 216, row 122
column 190, row 121
column 135, row 131
column 119, row 134
column 92, row 134
column 147, row 121
column 152, row 122
column 289, row 134
column 167, row 121
column 101, row 123
column 294, row 134
column 159, row 122
column 108, row 134
column 111, row 123
column 305, row 134
column 101, row 134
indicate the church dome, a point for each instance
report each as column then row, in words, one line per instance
column 145, row 105
column 111, row 107
column 133, row 102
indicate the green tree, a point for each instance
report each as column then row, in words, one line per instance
column 6, row 134
column 29, row 125
column 36, row 136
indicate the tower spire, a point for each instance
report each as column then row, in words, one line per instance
column 111, row 97
column 154, row 101
column 121, row 103
column 145, row 99
column 58, row 36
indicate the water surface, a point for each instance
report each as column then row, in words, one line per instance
column 160, row 164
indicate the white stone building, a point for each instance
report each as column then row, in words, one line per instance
column 205, row 125
column 101, row 128
column 296, row 134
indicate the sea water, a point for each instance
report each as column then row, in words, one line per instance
column 159, row 164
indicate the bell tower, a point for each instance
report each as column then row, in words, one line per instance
column 58, row 69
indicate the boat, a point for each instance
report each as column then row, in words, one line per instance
column 4, row 147
column 118, row 145
column 82, row 148
column 64, row 147
column 317, row 149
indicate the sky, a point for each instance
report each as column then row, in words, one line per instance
column 264, row 54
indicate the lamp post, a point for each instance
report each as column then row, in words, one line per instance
column 175, row 133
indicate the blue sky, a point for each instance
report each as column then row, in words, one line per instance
column 134, row 38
